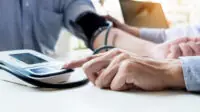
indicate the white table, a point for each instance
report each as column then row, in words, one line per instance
column 15, row 98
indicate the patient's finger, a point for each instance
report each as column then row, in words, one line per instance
column 106, row 55
column 194, row 39
column 195, row 47
column 186, row 49
column 175, row 52
column 80, row 62
column 93, row 67
column 123, row 73
column 185, row 40
column 126, row 87
column 104, row 79
column 180, row 40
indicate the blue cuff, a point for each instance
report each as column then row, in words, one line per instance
column 191, row 72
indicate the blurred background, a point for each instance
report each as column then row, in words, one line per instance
column 177, row 13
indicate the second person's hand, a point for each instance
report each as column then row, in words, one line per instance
column 177, row 48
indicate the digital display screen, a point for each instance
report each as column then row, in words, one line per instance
column 41, row 70
column 28, row 58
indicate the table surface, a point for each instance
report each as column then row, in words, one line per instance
column 87, row 98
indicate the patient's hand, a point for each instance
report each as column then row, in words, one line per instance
column 122, row 70
column 177, row 48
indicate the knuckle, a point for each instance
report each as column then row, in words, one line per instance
column 116, row 51
column 181, row 45
column 118, row 59
column 126, row 64
column 86, row 67
column 124, row 55
column 121, row 57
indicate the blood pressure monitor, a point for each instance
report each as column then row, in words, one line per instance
column 39, row 69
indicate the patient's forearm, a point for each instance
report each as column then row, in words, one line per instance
column 123, row 40
column 132, row 30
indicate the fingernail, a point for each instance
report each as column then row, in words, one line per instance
column 66, row 65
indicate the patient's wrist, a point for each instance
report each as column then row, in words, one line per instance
column 100, row 38
column 175, row 72
column 123, row 40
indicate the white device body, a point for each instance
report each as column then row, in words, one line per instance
column 41, row 67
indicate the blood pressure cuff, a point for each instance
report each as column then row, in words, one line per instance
column 87, row 25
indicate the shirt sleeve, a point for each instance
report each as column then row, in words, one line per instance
column 162, row 35
column 191, row 72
